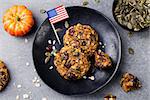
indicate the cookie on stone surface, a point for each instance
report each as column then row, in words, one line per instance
column 102, row 60
column 71, row 63
column 82, row 36
column 130, row 82
column 4, row 75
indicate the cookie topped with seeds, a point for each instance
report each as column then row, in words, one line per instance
column 71, row 63
column 82, row 36
column 4, row 75
column 102, row 60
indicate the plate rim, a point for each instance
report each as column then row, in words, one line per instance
column 119, row 58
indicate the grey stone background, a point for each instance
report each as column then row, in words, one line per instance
column 16, row 53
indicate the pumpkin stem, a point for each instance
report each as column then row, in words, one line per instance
column 17, row 18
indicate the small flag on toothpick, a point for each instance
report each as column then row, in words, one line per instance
column 55, row 15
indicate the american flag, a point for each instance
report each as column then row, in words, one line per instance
column 57, row 14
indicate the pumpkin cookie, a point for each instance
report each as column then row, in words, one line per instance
column 71, row 63
column 4, row 76
column 130, row 82
column 102, row 60
column 82, row 36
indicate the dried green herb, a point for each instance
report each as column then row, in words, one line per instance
column 66, row 24
column 97, row 1
column 85, row 3
column 130, row 34
column 131, row 51
column 42, row 11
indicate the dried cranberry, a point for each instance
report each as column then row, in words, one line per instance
column 71, row 31
column 72, row 76
column 83, row 43
column 68, row 64
column 49, row 48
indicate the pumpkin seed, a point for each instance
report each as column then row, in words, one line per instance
column 66, row 24
column 97, row 1
column 130, row 34
column 133, row 14
column 58, row 30
column 47, row 54
column 47, row 59
column 85, row 3
column 131, row 51
column 42, row 11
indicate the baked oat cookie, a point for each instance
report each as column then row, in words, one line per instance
column 4, row 76
column 71, row 63
column 102, row 60
column 82, row 36
column 130, row 82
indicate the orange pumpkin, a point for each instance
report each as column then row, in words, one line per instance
column 18, row 20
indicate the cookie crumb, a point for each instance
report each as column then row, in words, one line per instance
column 49, row 42
column 84, row 77
column 27, row 63
column 54, row 41
column 17, row 97
column 19, row 86
column 37, row 84
column 44, row 98
column 30, row 92
column 92, row 78
column 53, row 47
column 34, row 70
column 51, row 67
column 25, row 96
column 26, row 40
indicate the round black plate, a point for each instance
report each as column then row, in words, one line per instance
column 107, row 35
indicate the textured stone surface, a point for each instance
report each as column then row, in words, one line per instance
column 16, row 53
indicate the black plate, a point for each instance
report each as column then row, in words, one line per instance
column 107, row 34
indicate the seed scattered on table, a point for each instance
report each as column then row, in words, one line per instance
column 19, row 86
column 17, row 97
column 85, row 2
column 42, row 11
column 26, row 40
column 97, row 1
column 37, row 84
column 131, row 51
column 130, row 34
column 27, row 63
column 66, row 24
column 25, row 96
column 44, row 98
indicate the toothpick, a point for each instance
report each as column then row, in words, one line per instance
column 56, row 34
